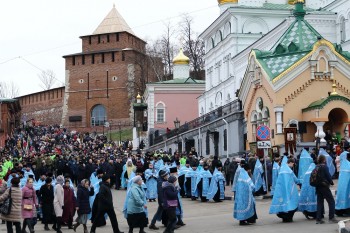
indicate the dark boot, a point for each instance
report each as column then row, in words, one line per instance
column 85, row 228
column 75, row 226
column 131, row 230
column 46, row 228
column 141, row 230
column 58, row 225
column 24, row 226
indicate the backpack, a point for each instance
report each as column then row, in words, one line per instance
column 5, row 207
column 314, row 177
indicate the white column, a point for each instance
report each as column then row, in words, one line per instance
column 319, row 131
column 279, row 119
column 135, row 138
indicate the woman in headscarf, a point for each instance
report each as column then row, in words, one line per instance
column 136, row 206
column 59, row 202
column 14, row 218
column 83, row 204
column 69, row 204
column 29, row 203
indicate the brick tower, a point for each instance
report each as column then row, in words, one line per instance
column 101, row 80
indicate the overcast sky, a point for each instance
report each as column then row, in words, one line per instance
column 35, row 34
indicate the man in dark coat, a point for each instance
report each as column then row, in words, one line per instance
column 163, row 176
column 118, row 165
column 46, row 201
column 105, row 205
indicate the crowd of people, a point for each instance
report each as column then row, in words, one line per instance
column 53, row 175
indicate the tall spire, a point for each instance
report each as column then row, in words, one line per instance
column 113, row 22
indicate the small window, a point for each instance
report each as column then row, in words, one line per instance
column 98, row 115
column 89, row 39
column 117, row 37
column 103, row 58
column 83, row 59
column 114, row 78
column 160, row 113
column 225, row 140
column 123, row 56
column 99, row 39
column 73, row 61
column 81, row 81
column 207, row 144
column 93, row 59
column 108, row 38
column 113, row 58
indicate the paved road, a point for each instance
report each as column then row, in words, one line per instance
column 215, row 217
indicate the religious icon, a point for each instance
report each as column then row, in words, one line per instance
column 290, row 137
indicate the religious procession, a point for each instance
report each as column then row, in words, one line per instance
column 64, row 179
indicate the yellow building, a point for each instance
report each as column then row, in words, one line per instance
column 303, row 82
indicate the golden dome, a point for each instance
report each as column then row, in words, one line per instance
column 138, row 96
column 181, row 59
column 227, row 1
column 292, row 2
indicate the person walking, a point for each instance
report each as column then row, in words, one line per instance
column 29, row 203
column 136, row 206
column 58, row 202
column 324, row 180
column 163, row 176
column 83, row 204
column 46, row 203
column 105, row 205
column 69, row 204
column 14, row 218
column 170, row 203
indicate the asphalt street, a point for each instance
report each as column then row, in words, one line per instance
column 214, row 217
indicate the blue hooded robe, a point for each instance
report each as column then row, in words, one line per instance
column 151, row 183
column 193, row 175
column 308, row 198
column 275, row 171
column 235, row 179
column 286, row 195
column 342, row 200
column 304, row 164
column 205, row 176
column 218, row 180
column 329, row 159
column 258, row 179
column 182, row 172
column 244, row 206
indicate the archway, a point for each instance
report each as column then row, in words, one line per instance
column 337, row 117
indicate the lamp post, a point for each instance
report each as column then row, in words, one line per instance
column 177, row 126
column 139, row 131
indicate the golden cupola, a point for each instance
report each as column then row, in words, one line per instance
column 227, row 1
column 181, row 59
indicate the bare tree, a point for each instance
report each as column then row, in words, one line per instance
column 8, row 90
column 193, row 46
column 48, row 79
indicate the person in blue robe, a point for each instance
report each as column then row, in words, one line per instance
column 329, row 160
column 244, row 203
column 259, row 179
column 308, row 199
column 203, row 182
column 241, row 164
column 217, row 185
column 191, row 182
column 286, row 197
column 181, row 179
column 151, row 183
column 304, row 163
column 159, row 164
column 342, row 200
column 275, row 171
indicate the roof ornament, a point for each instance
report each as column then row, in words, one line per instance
column 334, row 87
column 299, row 11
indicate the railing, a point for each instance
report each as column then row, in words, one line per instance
column 229, row 108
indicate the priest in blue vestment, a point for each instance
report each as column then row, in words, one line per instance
column 259, row 178
column 286, row 197
column 217, row 185
column 244, row 206
column 203, row 182
column 181, row 179
column 151, row 183
column 329, row 159
column 304, row 163
column 308, row 197
column 191, row 182
column 342, row 200
column 275, row 171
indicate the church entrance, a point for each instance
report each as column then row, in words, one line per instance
column 337, row 121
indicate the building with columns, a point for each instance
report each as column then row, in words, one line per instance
column 301, row 82
column 246, row 24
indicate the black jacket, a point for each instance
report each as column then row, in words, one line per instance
column 160, row 181
column 325, row 178
column 46, row 195
column 83, row 196
column 105, row 201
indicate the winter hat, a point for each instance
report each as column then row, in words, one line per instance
column 172, row 179
column 162, row 173
column 105, row 178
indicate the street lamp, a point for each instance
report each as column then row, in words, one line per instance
column 139, row 129
column 177, row 126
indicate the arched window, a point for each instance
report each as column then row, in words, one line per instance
column 98, row 115
column 342, row 30
column 160, row 118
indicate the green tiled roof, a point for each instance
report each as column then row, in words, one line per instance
column 319, row 104
column 182, row 81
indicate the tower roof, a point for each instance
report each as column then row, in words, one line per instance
column 227, row 1
column 181, row 59
column 113, row 22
